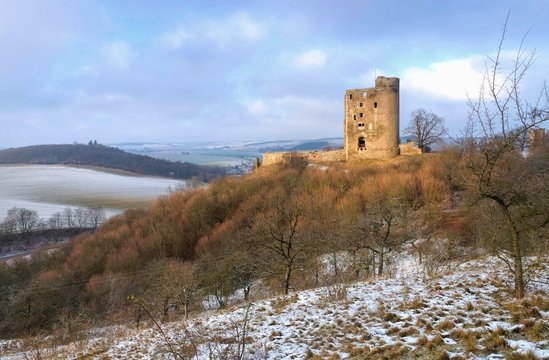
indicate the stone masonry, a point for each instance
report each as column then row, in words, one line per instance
column 371, row 123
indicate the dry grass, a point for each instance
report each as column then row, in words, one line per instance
column 391, row 317
column 282, row 302
column 409, row 331
column 540, row 301
column 494, row 341
column 422, row 340
column 469, row 306
column 446, row 324
column 521, row 310
column 435, row 341
column 469, row 342
column 538, row 331
column 529, row 355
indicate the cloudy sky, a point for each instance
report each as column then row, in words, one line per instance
column 180, row 70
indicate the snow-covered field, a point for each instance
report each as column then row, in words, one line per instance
column 467, row 313
column 50, row 188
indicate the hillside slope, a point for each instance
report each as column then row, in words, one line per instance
column 108, row 157
column 467, row 313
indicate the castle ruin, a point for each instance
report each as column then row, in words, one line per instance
column 371, row 122
column 370, row 128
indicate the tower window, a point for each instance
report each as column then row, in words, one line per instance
column 361, row 125
column 361, row 115
column 361, row 143
column 350, row 96
column 354, row 116
column 365, row 94
column 360, row 105
column 375, row 105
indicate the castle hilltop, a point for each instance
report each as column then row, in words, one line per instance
column 370, row 128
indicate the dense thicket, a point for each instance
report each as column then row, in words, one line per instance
column 109, row 157
column 279, row 225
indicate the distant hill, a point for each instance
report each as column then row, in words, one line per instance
column 108, row 157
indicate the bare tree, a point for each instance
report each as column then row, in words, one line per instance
column 23, row 220
column 95, row 216
column 186, row 284
column 426, row 127
column 9, row 225
column 56, row 221
column 175, row 286
column 68, row 217
column 382, row 225
column 498, row 173
column 280, row 235
column 80, row 217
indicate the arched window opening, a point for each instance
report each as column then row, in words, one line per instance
column 375, row 105
column 361, row 143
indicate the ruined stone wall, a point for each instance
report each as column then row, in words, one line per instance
column 538, row 140
column 409, row 149
column 371, row 121
column 317, row 156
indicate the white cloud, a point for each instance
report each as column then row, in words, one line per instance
column 88, row 70
column 118, row 54
column 451, row 79
column 257, row 107
column 313, row 58
column 235, row 28
column 243, row 26
column 176, row 39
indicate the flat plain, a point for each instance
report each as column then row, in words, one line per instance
column 50, row 188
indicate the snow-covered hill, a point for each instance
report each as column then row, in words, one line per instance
column 463, row 314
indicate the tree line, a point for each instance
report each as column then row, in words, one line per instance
column 109, row 157
column 21, row 220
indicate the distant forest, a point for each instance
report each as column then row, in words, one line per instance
column 94, row 154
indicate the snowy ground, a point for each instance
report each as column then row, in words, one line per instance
column 465, row 314
column 51, row 188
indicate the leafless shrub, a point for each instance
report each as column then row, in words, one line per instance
column 335, row 292
column 201, row 341
column 440, row 256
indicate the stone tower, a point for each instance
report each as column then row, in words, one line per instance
column 371, row 123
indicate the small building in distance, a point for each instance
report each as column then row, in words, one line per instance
column 370, row 128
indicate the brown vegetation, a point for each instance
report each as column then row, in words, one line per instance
column 234, row 232
column 291, row 227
